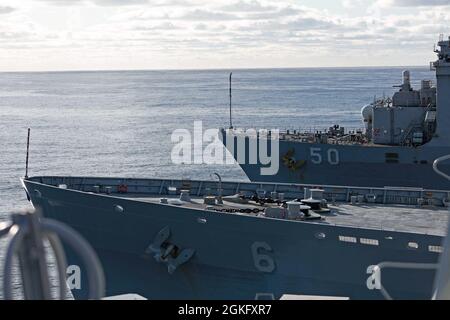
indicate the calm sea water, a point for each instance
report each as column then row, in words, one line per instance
column 120, row 123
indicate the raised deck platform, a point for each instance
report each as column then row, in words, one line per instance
column 351, row 137
column 426, row 220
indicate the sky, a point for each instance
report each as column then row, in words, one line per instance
column 48, row 35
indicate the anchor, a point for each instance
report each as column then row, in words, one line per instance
column 168, row 253
column 291, row 163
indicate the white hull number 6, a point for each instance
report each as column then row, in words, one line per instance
column 263, row 262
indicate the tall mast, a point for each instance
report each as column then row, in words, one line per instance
column 231, row 121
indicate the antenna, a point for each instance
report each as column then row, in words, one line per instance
column 28, row 152
column 231, row 121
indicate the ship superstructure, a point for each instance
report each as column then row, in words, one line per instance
column 402, row 137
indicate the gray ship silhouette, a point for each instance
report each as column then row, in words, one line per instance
column 182, row 239
column 403, row 135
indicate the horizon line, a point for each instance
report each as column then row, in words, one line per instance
column 212, row 69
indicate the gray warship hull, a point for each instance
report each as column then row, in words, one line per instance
column 354, row 165
column 236, row 256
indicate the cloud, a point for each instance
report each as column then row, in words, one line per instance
column 201, row 14
column 350, row 4
column 164, row 26
column 156, row 3
column 414, row 3
column 189, row 33
column 6, row 9
column 247, row 6
column 97, row 2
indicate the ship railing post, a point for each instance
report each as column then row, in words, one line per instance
column 200, row 186
column 27, row 232
column 401, row 265
column 161, row 187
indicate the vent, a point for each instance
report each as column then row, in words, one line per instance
column 347, row 239
column 370, row 242
column 413, row 245
column 437, row 249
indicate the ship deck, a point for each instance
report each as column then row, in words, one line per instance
column 430, row 220
column 353, row 139
column 412, row 210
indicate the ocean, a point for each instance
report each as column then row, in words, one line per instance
column 119, row 123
